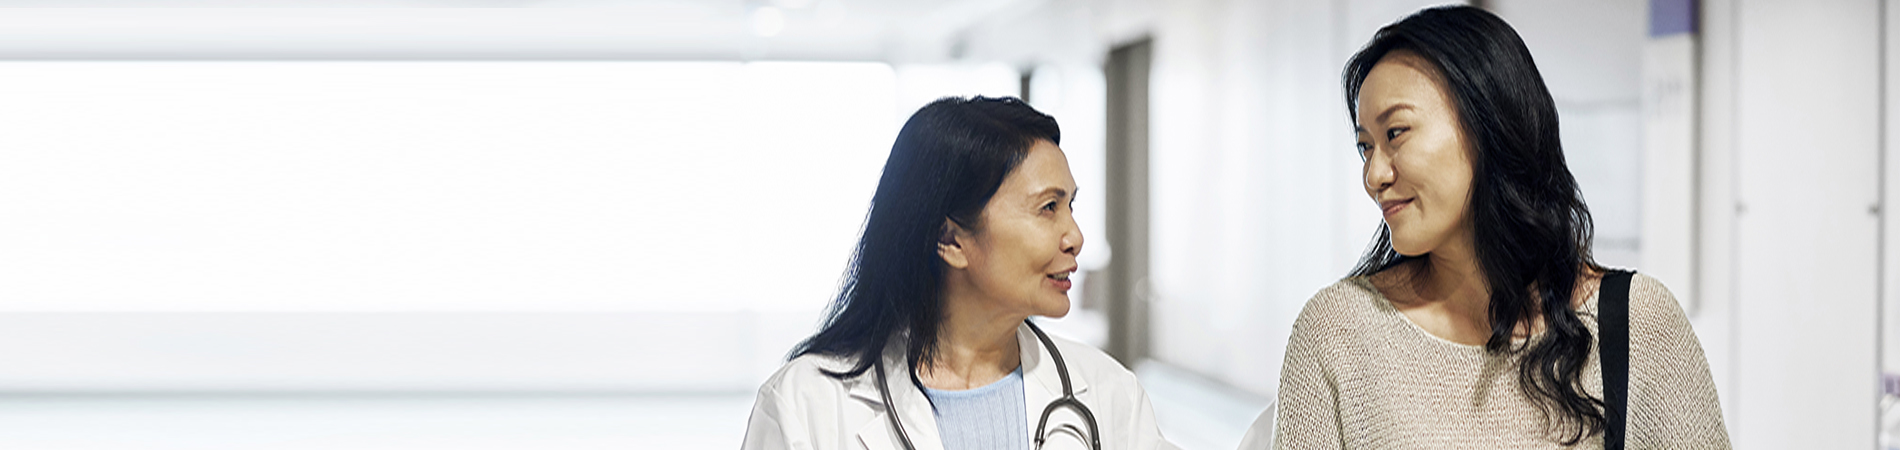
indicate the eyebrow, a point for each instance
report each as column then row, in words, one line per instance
column 1387, row 114
column 1059, row 192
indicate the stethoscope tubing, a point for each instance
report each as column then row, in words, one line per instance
column 1068, row 398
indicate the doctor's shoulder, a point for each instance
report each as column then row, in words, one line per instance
column 1096, row 366
column 795, row 405
column 809, row 377
column 1116, row 397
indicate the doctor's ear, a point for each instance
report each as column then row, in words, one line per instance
column 950, row 245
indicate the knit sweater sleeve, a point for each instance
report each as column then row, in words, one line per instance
column 1672, row 400
column 1307, row 413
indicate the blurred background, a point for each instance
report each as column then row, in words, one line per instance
column 579, row 224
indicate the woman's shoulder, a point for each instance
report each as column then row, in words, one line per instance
column 808, row 372
column 1350, row 300
column 1653, row 308
column 1655, row 317
column 1348, row 310
column 1648, row 293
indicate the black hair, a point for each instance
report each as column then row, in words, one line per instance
column 949, row 159
column 1531, row 229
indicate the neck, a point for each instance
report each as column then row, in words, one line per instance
column 976, row 345
column 1455, row 278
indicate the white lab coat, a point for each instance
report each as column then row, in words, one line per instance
column 802, row 408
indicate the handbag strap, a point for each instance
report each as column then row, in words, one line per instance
column 1613, row 350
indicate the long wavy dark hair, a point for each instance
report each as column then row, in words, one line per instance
column 949, row 159
column 1531, row 228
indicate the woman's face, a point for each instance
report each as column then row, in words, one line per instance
column 1417, row 160
column 1022, row 254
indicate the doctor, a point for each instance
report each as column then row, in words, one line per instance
column 927, row 345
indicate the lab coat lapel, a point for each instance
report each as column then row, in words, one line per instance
column 912, row 407
column 1045, row 386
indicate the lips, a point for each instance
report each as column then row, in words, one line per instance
column 1061, row 279
column 1391, row 207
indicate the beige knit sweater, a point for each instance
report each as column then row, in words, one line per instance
column 1359, row 375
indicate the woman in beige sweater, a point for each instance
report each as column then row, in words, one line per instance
column 1472, row 322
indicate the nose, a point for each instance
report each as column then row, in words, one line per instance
column 1072, row 238
column 1378, row 172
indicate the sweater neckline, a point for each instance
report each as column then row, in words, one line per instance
column 1588, row 308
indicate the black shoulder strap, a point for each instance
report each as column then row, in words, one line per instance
column 1613, row 350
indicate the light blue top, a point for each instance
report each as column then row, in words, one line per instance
column 988, row 417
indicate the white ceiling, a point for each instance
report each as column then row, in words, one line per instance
column 879, row 30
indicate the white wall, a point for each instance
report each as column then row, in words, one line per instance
column 431, row 186
column 1715, row 255
column 1890, row 229
column 1807, row 178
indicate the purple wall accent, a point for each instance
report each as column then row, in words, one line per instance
column 1669, row 17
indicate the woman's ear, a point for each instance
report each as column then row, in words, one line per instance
column 950, row 245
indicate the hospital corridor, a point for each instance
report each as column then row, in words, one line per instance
column 630, row 224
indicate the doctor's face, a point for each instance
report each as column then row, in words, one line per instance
column 1024, row 251
column 1417, row 159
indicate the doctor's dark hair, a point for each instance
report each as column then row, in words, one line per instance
column 949, row 159
column 1531, row 228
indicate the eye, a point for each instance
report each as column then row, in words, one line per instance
column 1051, row 206
column 1393, row 133
column 1364, row 149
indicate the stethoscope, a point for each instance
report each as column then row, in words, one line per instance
column 1067, row 400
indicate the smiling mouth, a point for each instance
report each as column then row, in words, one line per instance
column 1393, row 206
column 1060, row 280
